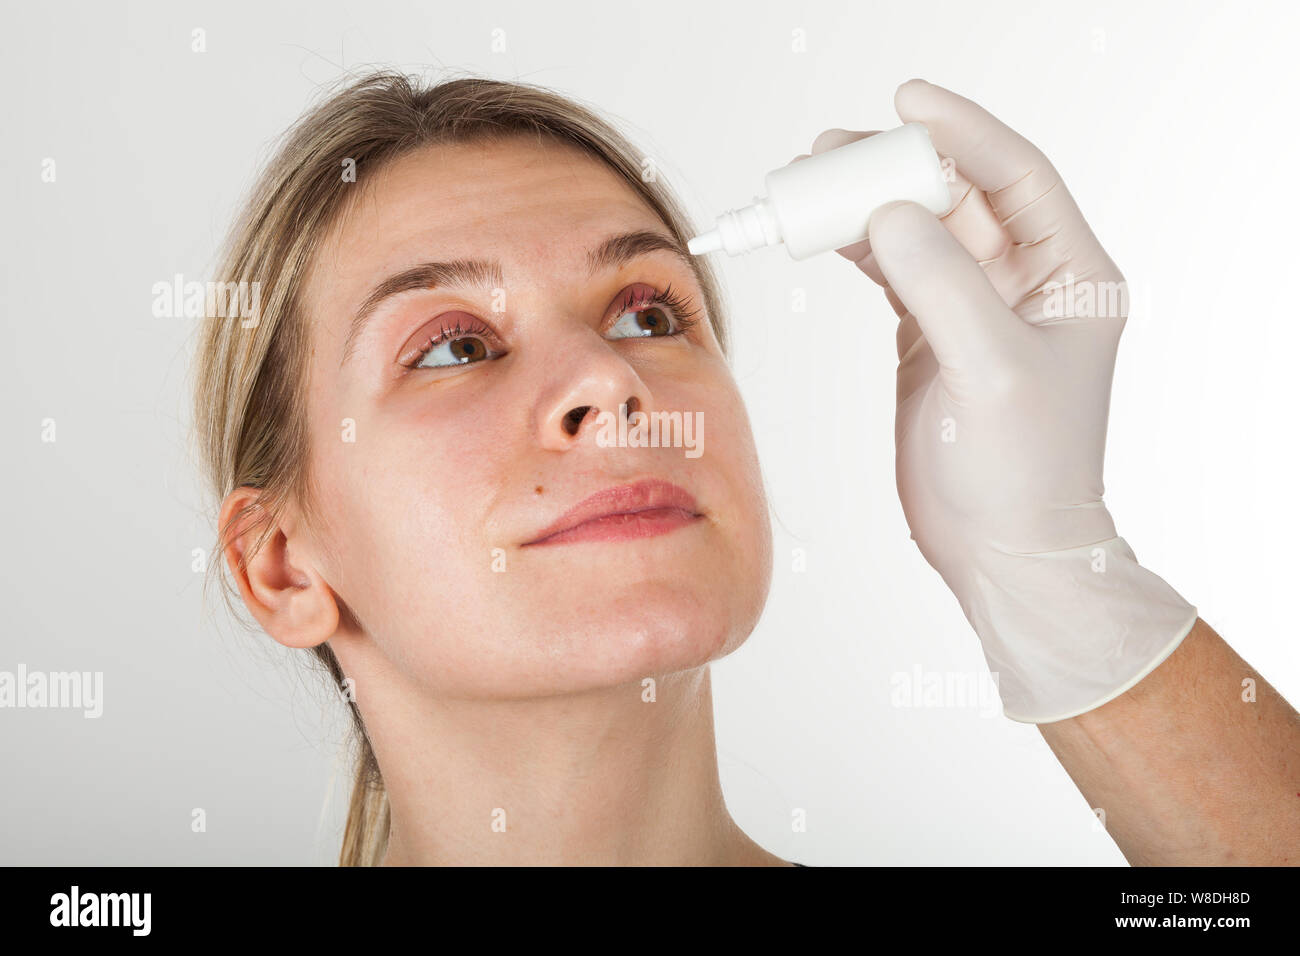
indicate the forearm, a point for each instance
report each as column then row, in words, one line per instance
column 1187, row 768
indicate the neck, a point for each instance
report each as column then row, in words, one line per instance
column 602, row 778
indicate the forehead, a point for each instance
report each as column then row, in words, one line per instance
column 530, row 203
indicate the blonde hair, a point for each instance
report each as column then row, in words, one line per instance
column 250, row 415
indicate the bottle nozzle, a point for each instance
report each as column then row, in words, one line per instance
column 705, row 242
column 739, row 230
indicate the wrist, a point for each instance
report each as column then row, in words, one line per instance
column 1067, row 631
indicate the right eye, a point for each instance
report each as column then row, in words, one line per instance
column 461, row 344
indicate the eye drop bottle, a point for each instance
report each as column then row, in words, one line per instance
column 825, row 202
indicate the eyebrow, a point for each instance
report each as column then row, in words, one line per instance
column 613, row 251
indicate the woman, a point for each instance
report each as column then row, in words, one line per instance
column 464, row 291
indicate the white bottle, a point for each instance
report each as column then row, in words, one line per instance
column 825, row 202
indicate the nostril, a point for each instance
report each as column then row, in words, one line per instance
column 573, row 421
column 632, row 405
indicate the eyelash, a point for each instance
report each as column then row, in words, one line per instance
column 445, row 334
column 677, row 303
column 684, row 315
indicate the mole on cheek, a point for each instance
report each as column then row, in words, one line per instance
column 538, row 489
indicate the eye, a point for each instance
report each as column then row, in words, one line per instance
column 644, row 312
column 653, row 320
column 466, row 342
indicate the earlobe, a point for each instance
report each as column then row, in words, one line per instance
column 288, row 598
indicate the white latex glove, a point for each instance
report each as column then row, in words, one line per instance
column 1001, row 422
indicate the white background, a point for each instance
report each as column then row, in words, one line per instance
column 1172, row 123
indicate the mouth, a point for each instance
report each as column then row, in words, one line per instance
column 641, row 509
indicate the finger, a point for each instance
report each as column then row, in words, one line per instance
column 964, row 319
column 868, row 265
column 835, row 138
column 858, row 253
column 1023, row 187
column 969, row 218
column 909, row 331
column 917, row 365
column 973, row 221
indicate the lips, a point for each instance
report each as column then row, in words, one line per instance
column 639, row 509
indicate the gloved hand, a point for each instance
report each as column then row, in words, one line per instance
column 1003, row 394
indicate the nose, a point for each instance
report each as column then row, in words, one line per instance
column 601, row 381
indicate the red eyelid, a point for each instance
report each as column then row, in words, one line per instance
column 636, row 295
column 470, row 325
column 455, row 324
column 459, row 323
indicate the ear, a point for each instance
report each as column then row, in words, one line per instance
column 279, row 585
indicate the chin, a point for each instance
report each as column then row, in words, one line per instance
column 642, row 629
column 583, row 626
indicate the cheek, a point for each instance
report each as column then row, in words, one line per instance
column 728, row 453
column 427, row 475
column 409, row 494
column 728, row 472
column 751, row 517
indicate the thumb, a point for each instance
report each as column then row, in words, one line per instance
column 960, row 313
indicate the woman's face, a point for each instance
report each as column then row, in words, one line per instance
column 438, row 472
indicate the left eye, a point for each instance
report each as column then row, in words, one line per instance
column 651, row 320
column 456, row 351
